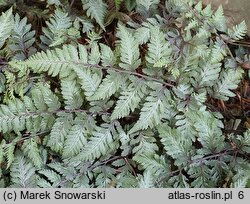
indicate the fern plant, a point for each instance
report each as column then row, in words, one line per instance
column 79, row 112
column 22, row 39
column 59, row 29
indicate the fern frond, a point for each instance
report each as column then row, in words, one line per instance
column 201, row 175
column 42, row 183
column 147, row 3
column 75, row 141
column 89, row 80
column 52, row 176
column 102, row 141
column 185, row 124
column 22, row 39
column 30, row 148
column 31, row 114
column 2, row 147
column 180, row 181
column 50, row 99
column 96, row 9
column 238, row 31
column 242, row 141
column 87, row 25
column 147, row 180
column 124, row 138
column 9, row 153
column 105, row 176
column 178, row 147
column 241, row 179
column 22, row 173
column 202, row 32
column 129, row 99
column 219, row 51
column 6, row 2
column 110, row 85
column 41, row 119
column 71, row 93
column 59, row 132
column 38, row 101
column 55, row 61
column 228, row 81
column 158, row 48
column 127, row 180
column 81, row 181
column 207, row 74
column 144, row 143
column 6, row 22
column 207, row 11
column 219, row 19
column 130, row 55
column 209, row 133
column 192, row 24
column 142, row 35
column 107, row 55
column 2, row 83
column 151, row 112
column 154, row 163
column 11, row 116
column 57, row 26
column 94, row 55
column 64, row 170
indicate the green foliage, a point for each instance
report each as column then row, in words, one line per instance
column 147, row 3
column 22, row 39
column 95, row 9
column 22, row 173
column 117, row 4
column 238, row 31
column 30, row 148
column 59, row 29
column 129, row 49
column 130, row 104
column 227, row 81
column 6, row 22
column 159, row 51
column 130, row 98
